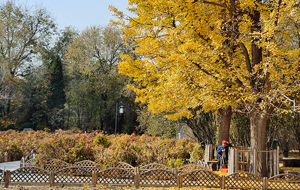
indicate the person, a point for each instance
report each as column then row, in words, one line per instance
column 221, row 153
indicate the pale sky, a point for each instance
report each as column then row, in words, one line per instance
column 79, row 13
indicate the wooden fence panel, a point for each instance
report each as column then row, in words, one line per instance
column 244, row 180
column 125, row 166
column 55, row 165
column 116, row 176
column 29, row 175
column 73, row 176
column 284, row 181
column 154, row 166
column 201, row 178
column 88, row 165
column 158, row 177
column 190, row 167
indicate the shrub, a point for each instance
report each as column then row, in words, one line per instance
column 101, row 139
column 107, row 150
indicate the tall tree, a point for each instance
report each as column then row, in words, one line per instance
column 57, row 86
column 57, row 99
column 31, row 99
column 22, row 33
column 242, row 54
column 95, row 84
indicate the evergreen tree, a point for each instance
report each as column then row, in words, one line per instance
column 58, row 96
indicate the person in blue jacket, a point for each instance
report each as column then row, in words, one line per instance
column 221, row 153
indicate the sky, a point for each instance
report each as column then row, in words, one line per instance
column 79, row 13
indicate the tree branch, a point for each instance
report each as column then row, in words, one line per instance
column 210, row 74
column 246, row 55
column 215, row 3
column 277, row 14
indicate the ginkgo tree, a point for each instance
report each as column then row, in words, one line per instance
column 215, row 53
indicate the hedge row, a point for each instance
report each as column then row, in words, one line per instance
column 106, row 149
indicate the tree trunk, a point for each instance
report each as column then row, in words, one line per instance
column 78, row 119
column 258, row 127
column 225, row 120
column 9, row 102
column 296, row 127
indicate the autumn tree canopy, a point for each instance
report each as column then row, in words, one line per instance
column 214, row 53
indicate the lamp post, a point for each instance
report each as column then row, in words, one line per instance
column 121, row 110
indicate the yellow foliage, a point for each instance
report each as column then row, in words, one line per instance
column 195, row 53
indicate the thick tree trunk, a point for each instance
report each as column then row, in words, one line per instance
column 258, row 127
column 225, row 120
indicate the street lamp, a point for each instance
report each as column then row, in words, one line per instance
column 121, row 110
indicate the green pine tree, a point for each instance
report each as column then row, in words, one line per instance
column 58, row 96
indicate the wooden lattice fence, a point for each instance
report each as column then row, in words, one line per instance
column 154, row 166
column 151, row 178
column 157, row 177
column 200, row 178
column 191, row 167
column 55, row 165
column 125, row 166
column 244, row 180
column 116, row 176
column 88, row 165
column 28, row 175
column 284, row 181
column 72, row 176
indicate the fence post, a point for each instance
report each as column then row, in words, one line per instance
column 271, row 162
column 222, row 182
column 179, row 180
column 174, row 170
column 236, row 160
column 207, row 153
column 254, row 161
column 137, row 178
column 265, row 183
column 7, row 178
column 230, row 161
column 277, row 161
column 94, row 178
column 51, row 179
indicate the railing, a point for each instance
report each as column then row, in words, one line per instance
column 239, row 160
column 150, row 176
column 6, row 157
